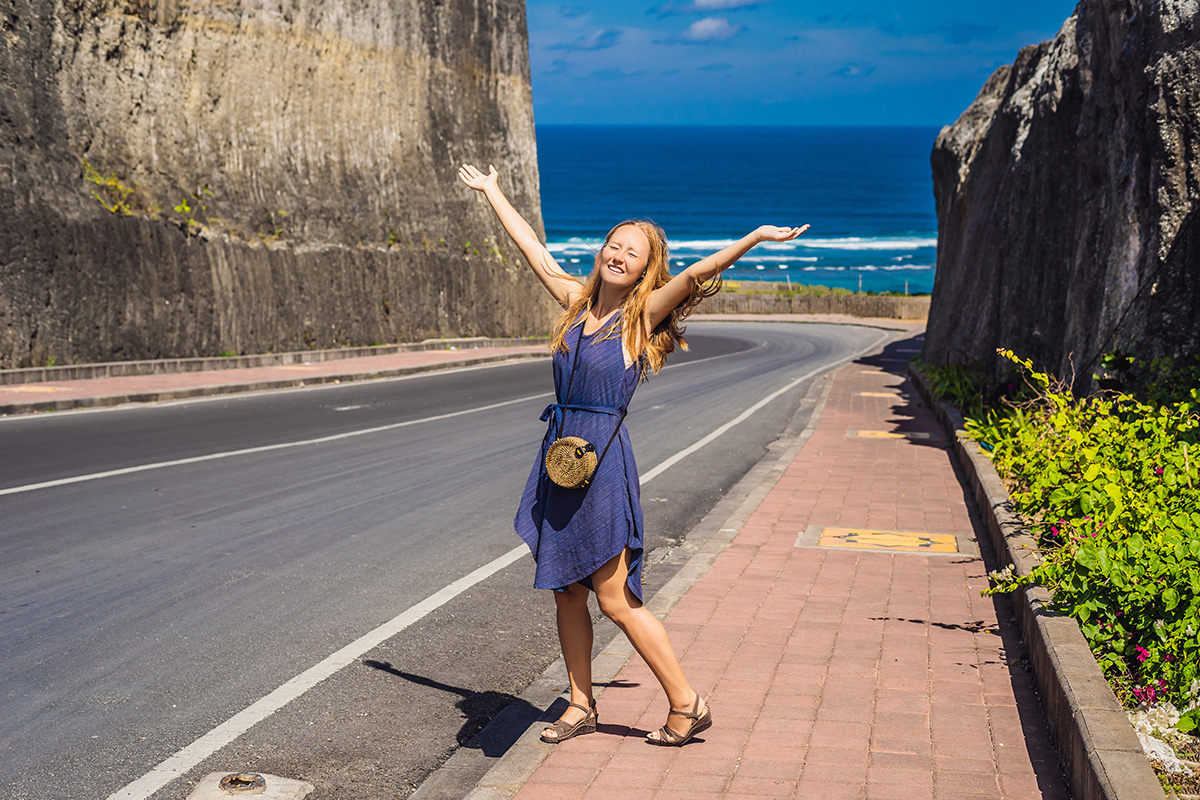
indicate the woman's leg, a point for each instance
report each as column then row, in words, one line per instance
column 575, row 637
column 647, row 636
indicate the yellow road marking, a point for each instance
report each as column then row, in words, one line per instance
column 864, row 538
column 890, row 435
column 878, row 394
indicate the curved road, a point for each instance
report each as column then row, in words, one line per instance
column 142, row 609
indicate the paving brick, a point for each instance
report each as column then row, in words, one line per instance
column 741, row 785
column 822, row 789
column 903, row 776
column 606, row 793
column 550, row 791
column 966, row 781
column 701, row 783
column 891, row 791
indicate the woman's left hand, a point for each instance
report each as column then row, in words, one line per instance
column 772, row 233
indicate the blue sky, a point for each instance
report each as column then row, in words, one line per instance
column 773, row 62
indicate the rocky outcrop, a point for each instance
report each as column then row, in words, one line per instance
column 1068, row 196
column 191, row 177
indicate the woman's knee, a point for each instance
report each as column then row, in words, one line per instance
column 615, row 604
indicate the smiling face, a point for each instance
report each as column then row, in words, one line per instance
column 623, row 259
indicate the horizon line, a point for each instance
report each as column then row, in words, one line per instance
column 733, row 125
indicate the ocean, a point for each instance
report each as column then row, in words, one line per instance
column 866, row 192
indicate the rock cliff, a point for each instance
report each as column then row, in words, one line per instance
column 1068, row 196
column 191, row 177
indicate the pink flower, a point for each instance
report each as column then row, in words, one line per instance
column 1158, row 470
column 1142, row 653
column 1169, row 657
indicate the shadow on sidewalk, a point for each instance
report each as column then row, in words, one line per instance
column 895, row 357
column 976, row 626
column 481, row 708
column 478, row 709
column 909, row 414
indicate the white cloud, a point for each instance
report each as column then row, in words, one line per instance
column 854, row 71
column 710, row 29
column 719, row 5
column 702, row 7
column 600, row 40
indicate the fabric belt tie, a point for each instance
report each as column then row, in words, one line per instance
column 555, row 413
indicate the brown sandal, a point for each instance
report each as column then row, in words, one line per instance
column 700, row 722
column 563, row 731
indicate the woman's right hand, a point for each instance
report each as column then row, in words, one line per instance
column 472, row 177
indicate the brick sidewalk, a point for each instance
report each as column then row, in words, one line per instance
column 173, row 385
column 834, row 672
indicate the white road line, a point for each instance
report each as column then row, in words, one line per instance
column 29, row 487
column 182, row 761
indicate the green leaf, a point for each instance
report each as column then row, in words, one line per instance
column 1170, row 598
column 1091, row 472
column 1189, row 721
column 1085, row 556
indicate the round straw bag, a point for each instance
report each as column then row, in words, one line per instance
column 571, row 462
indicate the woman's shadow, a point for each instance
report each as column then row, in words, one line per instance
column 481, row 708
column 478, row 709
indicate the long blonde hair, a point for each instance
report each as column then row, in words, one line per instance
column 651, row 350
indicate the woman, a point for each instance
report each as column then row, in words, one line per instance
column 616, row 328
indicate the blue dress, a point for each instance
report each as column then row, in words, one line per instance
column 573, row 532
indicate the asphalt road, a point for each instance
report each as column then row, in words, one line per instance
column 138, row 611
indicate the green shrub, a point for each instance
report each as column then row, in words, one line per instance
column 1111, row 489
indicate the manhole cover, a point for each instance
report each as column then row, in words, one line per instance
column 243, row 783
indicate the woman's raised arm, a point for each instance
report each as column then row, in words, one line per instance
column 562, row 287
column 665, row 299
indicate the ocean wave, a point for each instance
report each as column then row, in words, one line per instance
column 857, row 268
column 576, row 245
column 873, row 243
column 770, row 259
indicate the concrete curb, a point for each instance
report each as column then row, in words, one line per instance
column 254, row 386
column 695, row 558
column 1100, row 751
column 123, row 369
